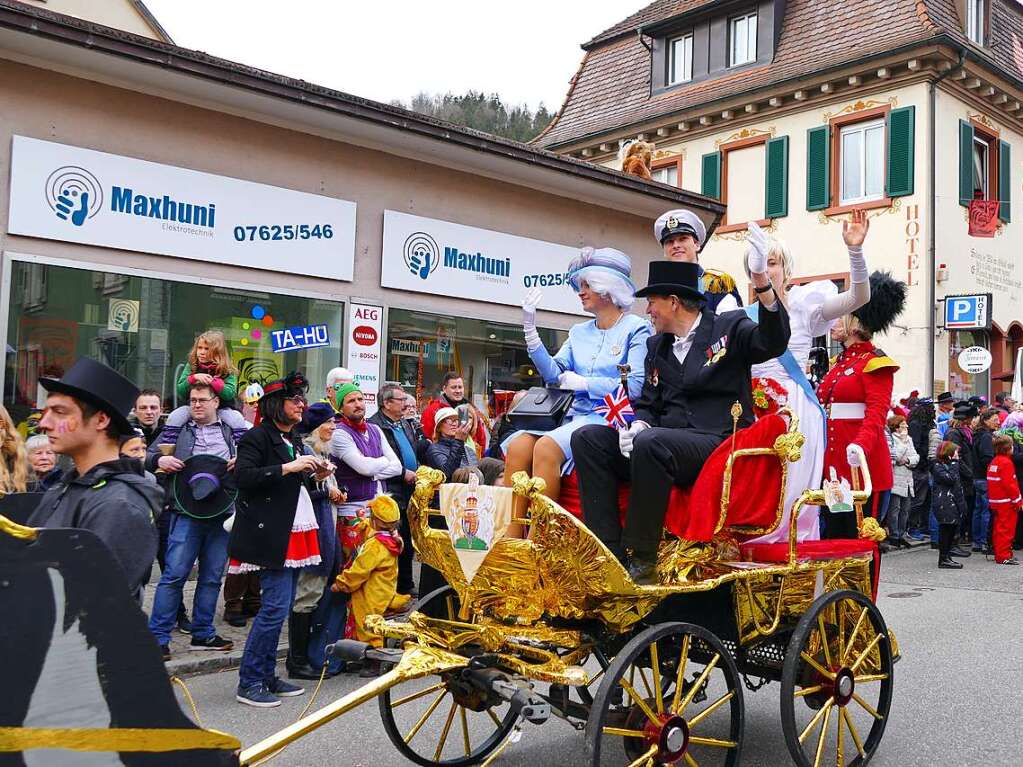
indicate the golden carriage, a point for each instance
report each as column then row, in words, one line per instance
column 551, row 626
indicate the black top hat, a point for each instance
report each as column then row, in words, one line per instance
column 945, row 397
column 100, row 386
column 202, row 489
column 964, row 411
column 673, row 278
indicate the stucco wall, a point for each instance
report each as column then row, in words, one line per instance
column 46, row 105
column 896, row 233
column 119, row 14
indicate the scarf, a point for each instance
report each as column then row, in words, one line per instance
column 361, row 426
column 454, row 403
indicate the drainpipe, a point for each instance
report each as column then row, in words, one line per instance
column 932, row 87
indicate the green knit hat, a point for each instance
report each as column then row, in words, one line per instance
column 344, row 391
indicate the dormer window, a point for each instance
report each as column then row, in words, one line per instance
column 680, row 59
column 742, row 39
column 976, row 20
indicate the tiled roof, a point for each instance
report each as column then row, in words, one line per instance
column 612, row 87
column 656, row 11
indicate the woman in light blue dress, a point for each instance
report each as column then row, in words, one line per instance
column 587, row 363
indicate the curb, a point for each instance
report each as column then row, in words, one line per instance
column 204, row 662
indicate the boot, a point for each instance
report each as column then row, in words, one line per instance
column 949, row 564
column 297, row 662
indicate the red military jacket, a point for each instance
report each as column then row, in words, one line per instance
column 861, row 375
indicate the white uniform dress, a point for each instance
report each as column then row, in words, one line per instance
column 807, row 321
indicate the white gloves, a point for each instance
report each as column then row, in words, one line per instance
column 573, row 381
column 626, row 437
column 756, row 254
column 852, row 454
column 529, row 304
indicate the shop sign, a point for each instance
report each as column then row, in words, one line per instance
column 968, row 312
column 61, row 192
column 974, row 359
column 426, row 255
column 299, row 337
column 406, row 347
column 124, row 315
column 365, row 322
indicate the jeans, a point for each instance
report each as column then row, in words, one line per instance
column 259, row 661
column 898, row 515
column 328, row 627
column 981, row 514
column 187, row 540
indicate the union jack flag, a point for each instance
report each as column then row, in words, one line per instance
column 616, row 409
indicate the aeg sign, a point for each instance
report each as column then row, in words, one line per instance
column 364, row 350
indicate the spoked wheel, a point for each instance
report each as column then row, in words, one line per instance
column 440, row 720
column 836, row 682
column 671, row 696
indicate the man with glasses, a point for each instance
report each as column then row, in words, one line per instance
column 200, row 428
column 400, row 434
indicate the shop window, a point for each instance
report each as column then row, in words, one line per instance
column 751, row 176
column 144, row 328
column 860, row 160
column 680, row 59
column 742, row 38
column 667, row 170
column 490, row 356
column 985, row 167
column 961, row 383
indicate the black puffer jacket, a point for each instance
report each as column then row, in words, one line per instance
column 448, row 454
column 967, row 458
column 949, row 503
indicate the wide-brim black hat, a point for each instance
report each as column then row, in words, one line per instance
column 673, row 278
column 964, row 411
column 945, row 397
column 203, row 489
column 100, row 386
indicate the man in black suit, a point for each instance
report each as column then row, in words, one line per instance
column 697, row 367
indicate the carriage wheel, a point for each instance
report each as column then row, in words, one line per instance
column 837, row 682
column 663, row 699
column 437, row 720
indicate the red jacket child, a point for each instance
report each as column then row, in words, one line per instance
column 1004, row 497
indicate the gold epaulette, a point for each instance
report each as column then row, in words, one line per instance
column 880, row 362
column 717, row 282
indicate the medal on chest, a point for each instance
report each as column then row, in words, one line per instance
column 716, row 351
column 616, row 349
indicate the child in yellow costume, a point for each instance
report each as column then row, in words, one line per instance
column 372, row 576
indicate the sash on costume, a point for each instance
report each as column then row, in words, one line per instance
column 795, row 372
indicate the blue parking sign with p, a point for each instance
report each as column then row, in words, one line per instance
column 966, row 312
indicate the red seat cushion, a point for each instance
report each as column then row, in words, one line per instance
column 835, row 548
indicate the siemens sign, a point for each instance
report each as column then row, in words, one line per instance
column 62, row 192
column 427, row 255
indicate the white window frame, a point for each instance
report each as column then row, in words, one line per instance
column 975, row 20
column 985, row 162
column 734, row 36
column 663, row 174
column 685, row 42
column 861, row 127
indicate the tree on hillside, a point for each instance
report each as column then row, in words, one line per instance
column 481, row 112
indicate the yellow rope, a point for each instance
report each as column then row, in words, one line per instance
column 309, row 705
column 188, row 696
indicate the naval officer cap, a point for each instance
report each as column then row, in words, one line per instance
column 676, row 222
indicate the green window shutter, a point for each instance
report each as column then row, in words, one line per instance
column 900, row 151
column 776, row 195
column 965, row 162
column 712, row 175
column 818, row 168
column 1005, row 181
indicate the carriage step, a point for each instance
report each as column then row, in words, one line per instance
column 354, row 651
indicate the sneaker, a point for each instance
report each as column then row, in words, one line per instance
column 165, row 651
column 184, row 624
column 283, row 689
column 1012, row 561
column 215, row 642
column 257, row 696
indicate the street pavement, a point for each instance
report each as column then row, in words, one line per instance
column 957, row 692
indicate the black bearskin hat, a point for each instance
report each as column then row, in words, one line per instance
column 887, row 300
